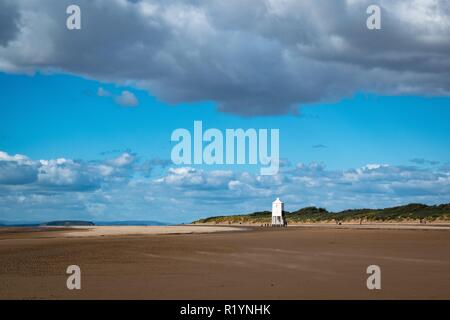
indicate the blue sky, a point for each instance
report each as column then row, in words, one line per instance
column 61, row 116
column 86, row 115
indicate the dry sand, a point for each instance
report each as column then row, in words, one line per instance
column 258, row 263
column 141, row 230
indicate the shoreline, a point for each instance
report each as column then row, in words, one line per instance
column 109, row 231
column 373, row 226
column 43, row 232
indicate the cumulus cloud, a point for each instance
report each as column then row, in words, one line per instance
column 127, row 187
column 373, row 185
column 17, row 169
column 252, row 57
column 62, row 174
column 102, row 92
column 127, row 99
column 185, row 177
column 125, row 159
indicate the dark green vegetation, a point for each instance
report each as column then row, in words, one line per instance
column 313, row 214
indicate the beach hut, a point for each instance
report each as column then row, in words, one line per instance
column 278, row 213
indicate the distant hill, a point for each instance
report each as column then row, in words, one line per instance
column 68, row 223
column 313, row 214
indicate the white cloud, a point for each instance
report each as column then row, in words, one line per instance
column 17, row 169
column 17, row 157
column 62, row 174
column 127, row 99
column 103, row 93
column 120, row 188
column 252, row 57
column 124, row 159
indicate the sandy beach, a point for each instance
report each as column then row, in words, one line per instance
column 207, row 262
column 142, row 230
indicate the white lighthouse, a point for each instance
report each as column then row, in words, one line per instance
column 277, row 213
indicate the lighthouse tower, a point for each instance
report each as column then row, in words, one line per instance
column 277, row 213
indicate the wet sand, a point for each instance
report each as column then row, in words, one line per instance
column 260, row 263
